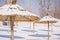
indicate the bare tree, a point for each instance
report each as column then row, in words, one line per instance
column 57, row 10
column 43, row 8
column 42, row 5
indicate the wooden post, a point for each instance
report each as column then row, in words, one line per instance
column 33, row 28
column 11, row 24
column 48, row 32
column 30, row 25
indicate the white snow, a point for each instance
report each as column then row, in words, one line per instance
column 48, row 18
column 24, row 29
column 15, row 10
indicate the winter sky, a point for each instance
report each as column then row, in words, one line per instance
column 33, row 5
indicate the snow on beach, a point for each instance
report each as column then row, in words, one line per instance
column 24, row 31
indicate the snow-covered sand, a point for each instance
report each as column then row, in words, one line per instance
column 24, row 31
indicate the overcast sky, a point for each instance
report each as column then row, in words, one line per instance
column 33, row 5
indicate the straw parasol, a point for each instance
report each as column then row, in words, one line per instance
column 48, row 19
column 13, row 12
column 16, row 15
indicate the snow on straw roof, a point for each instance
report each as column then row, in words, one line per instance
column 48, row 18
column 14, row 9
column 11, row 6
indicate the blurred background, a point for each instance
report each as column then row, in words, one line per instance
column 39, row 7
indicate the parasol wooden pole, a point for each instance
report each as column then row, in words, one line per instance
column 30, row 25
column 48, row 31
column 11, row 24
column 33, row 27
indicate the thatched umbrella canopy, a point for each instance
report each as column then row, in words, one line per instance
column 14, row 12
column 48, row 19
column 15, row 9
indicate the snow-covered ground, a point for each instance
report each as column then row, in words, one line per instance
column 24, row 31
